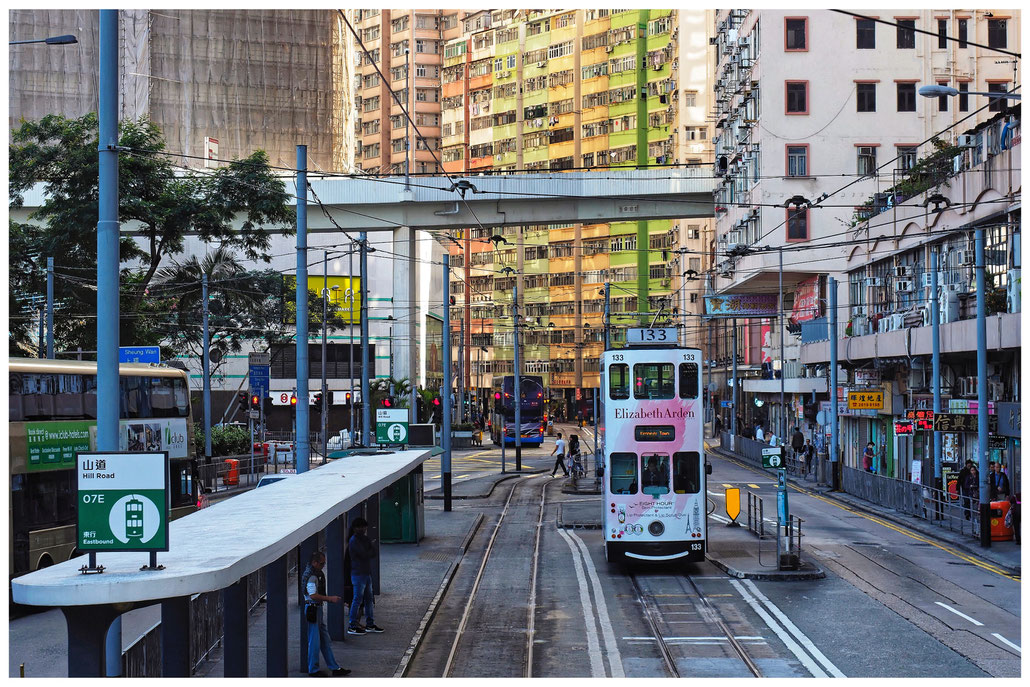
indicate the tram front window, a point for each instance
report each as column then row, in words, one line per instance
column 653, row 381
column 618, row 382
column 686, row 474
column 655, row 477
column 624, row 473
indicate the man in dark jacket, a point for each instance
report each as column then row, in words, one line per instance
column 362, row 551
column 318, row 636
column 797, row 443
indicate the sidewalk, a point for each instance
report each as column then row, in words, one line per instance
column 1005, row 555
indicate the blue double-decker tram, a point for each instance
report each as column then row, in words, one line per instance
column 653, row 446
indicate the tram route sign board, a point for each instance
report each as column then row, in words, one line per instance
column 123, row 501
column 391, row 426
column 772, row 457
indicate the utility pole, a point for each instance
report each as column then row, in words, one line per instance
column 981, row 395
column 736, row 429
column 206, row 365
column 366, row 397
column 325, row 326
column 50, row 308
column 461, row 369
column 783, row 362
column 445, row 392
column 41, row 346
column 935, row 321
column 350, row 344
column 607, row 315
column 708, row 370
column 834, row 436
column 303, row 426
column 518, row 383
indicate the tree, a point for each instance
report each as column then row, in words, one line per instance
column 160, row 205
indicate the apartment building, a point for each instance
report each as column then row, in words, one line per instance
column 817, row 116
column 572, row 90
column 884, row 334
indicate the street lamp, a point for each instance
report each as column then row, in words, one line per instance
column 935, row 91
column 67, row 39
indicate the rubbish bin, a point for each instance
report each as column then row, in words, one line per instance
column 231, row 478
column 999, row 509
column 402, row 509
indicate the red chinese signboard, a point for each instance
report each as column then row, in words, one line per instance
column 806, row 300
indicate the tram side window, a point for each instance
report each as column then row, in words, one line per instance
column 655, row 476
column 686, row 473
column 623, row 473
column 689, row 380
column 618, row 382
column 653, row 381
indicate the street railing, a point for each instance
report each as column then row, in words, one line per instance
column 936, row 506
column 755, row 515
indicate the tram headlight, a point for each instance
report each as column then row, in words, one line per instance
column 656, row 528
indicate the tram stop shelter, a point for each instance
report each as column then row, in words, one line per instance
column 214, row 549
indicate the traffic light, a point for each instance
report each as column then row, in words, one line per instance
column 436, row 401
column 293, row 400
column 318, row 399
column 388, row 402
column 255, row 401
column 347, row 398
column 241, row 396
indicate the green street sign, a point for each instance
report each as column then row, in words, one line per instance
column 772, row 457
column 123, row 501
column 391, row 426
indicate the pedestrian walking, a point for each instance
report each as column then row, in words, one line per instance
column 867, row 457
column 559, row 448
column 718, row 425
column 574, row 456
column 314, row 616
column 362, row 551
column 759, row 434
column 972, row 489
column 1012, row 517
column 999, row 483
column 809, row 454
column 797, row 444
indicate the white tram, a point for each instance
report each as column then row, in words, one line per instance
column 653, row 444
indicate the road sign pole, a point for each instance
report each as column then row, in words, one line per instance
column 981, row 396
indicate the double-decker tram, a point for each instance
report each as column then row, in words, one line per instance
column 532, row 411
column 653, row 445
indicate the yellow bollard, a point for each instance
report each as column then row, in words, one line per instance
column 733, row 506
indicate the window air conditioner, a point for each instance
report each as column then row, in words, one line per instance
column 904, row 286
column 965, row 141
column 957, row 287
column 873, row 281
column 903, row 271
column 897, row 321
column 966, row 257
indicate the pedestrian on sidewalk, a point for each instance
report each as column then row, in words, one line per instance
column 759, row 434
column 318, row 635
column 999, row 483
column 797, row 443
column 362, row 551
column 867, row 457
column 809, row 453
column 1012, row 517
column 559, row 448
column 972, row 488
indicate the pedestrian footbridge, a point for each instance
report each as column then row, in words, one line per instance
column 215, row 549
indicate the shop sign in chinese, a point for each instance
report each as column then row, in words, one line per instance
column 865, row 400
column 919, row 414
column 867, row 377
column 960, row 422
column 903, row 427
column 742, row 305
column 806, row 300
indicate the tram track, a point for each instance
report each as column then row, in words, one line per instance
column 466, row 636
column 649, row 599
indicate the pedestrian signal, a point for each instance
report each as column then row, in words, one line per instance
column 255, row 401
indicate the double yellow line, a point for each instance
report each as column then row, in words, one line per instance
column 889, row 525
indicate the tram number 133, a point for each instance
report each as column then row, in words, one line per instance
column 695, row 546
column 646, row 336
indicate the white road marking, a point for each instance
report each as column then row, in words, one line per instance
column 787, row 640
column 805, row 641
column 593, row 645
column 611, row 646
column 960, row 614
column 995, row 634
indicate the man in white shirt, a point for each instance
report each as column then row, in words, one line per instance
column 759, row 434
column 559, row 448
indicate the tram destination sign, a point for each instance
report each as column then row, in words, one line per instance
column 654, row 433
column 961, row 422
column 123, row 501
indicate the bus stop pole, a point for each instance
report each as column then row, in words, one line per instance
column 445, row 392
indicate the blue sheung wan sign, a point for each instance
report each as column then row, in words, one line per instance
column 139, row 354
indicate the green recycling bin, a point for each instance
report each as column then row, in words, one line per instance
column 402, row 517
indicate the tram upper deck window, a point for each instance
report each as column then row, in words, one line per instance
column 654, row 479
column 623, row 473
column 618, row 382
column 653, row 381
column 689, row 373
column 686, row 473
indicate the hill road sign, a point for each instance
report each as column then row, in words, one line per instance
column 772, row 457
column 391, row 426
column 123, row 501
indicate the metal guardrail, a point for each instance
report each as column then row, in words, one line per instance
column 755, row 515
column 794, row 537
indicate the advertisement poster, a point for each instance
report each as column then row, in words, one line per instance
column 806, row 300
column 53, row 445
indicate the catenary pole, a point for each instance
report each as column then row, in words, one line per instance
column 981, row 393
column 366, row 366
column 445, row 392
column 935, row 321
column 783, row 367
column 736, row 430
column 350, row 344
column 303, row 408
column 518, row 383
column 107, row 278
column 325, row 326
column 834, row 437
column 50, row 308
column 206, row 367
